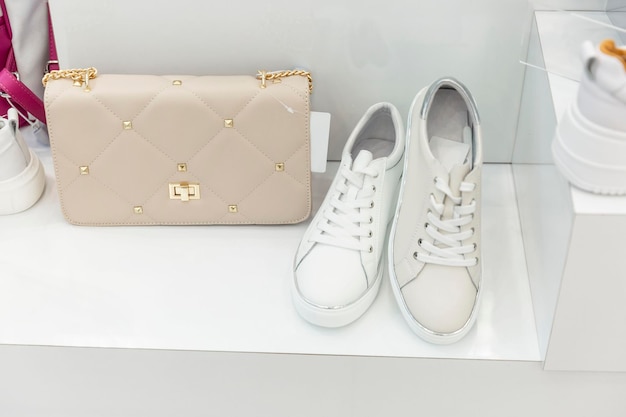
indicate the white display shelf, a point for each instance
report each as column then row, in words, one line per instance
column 205, row 324
column 223, row 288
column 573, row 239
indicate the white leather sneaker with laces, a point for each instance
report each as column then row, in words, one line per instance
column 434, row 243
column 22, row 177
column 589, row 145
column 338, row 267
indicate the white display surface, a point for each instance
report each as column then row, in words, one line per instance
column 227, row 288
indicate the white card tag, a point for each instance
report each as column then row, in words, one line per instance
column 41, row 132
column 320, row 132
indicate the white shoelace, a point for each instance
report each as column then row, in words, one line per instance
column 344, row 223
column 449, row 250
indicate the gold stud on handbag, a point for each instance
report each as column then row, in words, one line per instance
column 147, row 149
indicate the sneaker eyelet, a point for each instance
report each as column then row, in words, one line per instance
column 415, row 255
column 374, row 188
column 370, row 234
column 419, row 242
column 475, row 246
column 371, row 249
column 371, row 220
column 372, row 204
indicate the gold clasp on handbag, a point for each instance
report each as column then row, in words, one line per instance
column 275, row 76
column 184, row 191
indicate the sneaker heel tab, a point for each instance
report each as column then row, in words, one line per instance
column 13, row 122
column 588, row 56
column 609, row 48
column 463, row 91
column 12, row 118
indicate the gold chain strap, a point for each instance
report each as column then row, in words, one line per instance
column 77, row 75
column 277, row 75
column 83, row 75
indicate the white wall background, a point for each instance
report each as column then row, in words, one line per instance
column 359, row 52
column 570, row 4
column 609, row 5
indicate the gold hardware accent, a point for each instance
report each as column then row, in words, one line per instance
column 86, row 79
column 177, row 82
column 182, row 167
column 127, row 125
column 265, row 76
column 138, row 210
column 77, row 75
column 233, row 208
column 279, row 166
column 84, row 170
column 228, row 123
column 184, row 191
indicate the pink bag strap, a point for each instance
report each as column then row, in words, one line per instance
column 53, row 60
column 21, row 95
column 10, row 62
column 16, row 92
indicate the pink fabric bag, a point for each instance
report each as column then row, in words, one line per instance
column 26, row 50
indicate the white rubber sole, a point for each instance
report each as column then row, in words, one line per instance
column 590, row 156
column 336, row 316
column 22, row 191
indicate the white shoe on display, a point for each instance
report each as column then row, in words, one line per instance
column 338, row 267
column 589, row 146
column 434, row 257
column 22, row 177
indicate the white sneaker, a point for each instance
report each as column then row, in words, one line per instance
column 22, row 178
column 338, row 266
column 434, row 244
column 589, row 146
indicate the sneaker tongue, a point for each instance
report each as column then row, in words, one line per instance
column 450, row 153
column 457, row 175
column 362, row 160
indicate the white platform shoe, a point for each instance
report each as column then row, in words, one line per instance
column 589, row 146
column 339, row 265
column 22, row 177
column 434, row 245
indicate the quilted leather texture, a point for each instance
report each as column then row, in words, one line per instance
column 118, row 147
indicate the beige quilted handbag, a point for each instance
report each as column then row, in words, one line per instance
column 176, row 150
